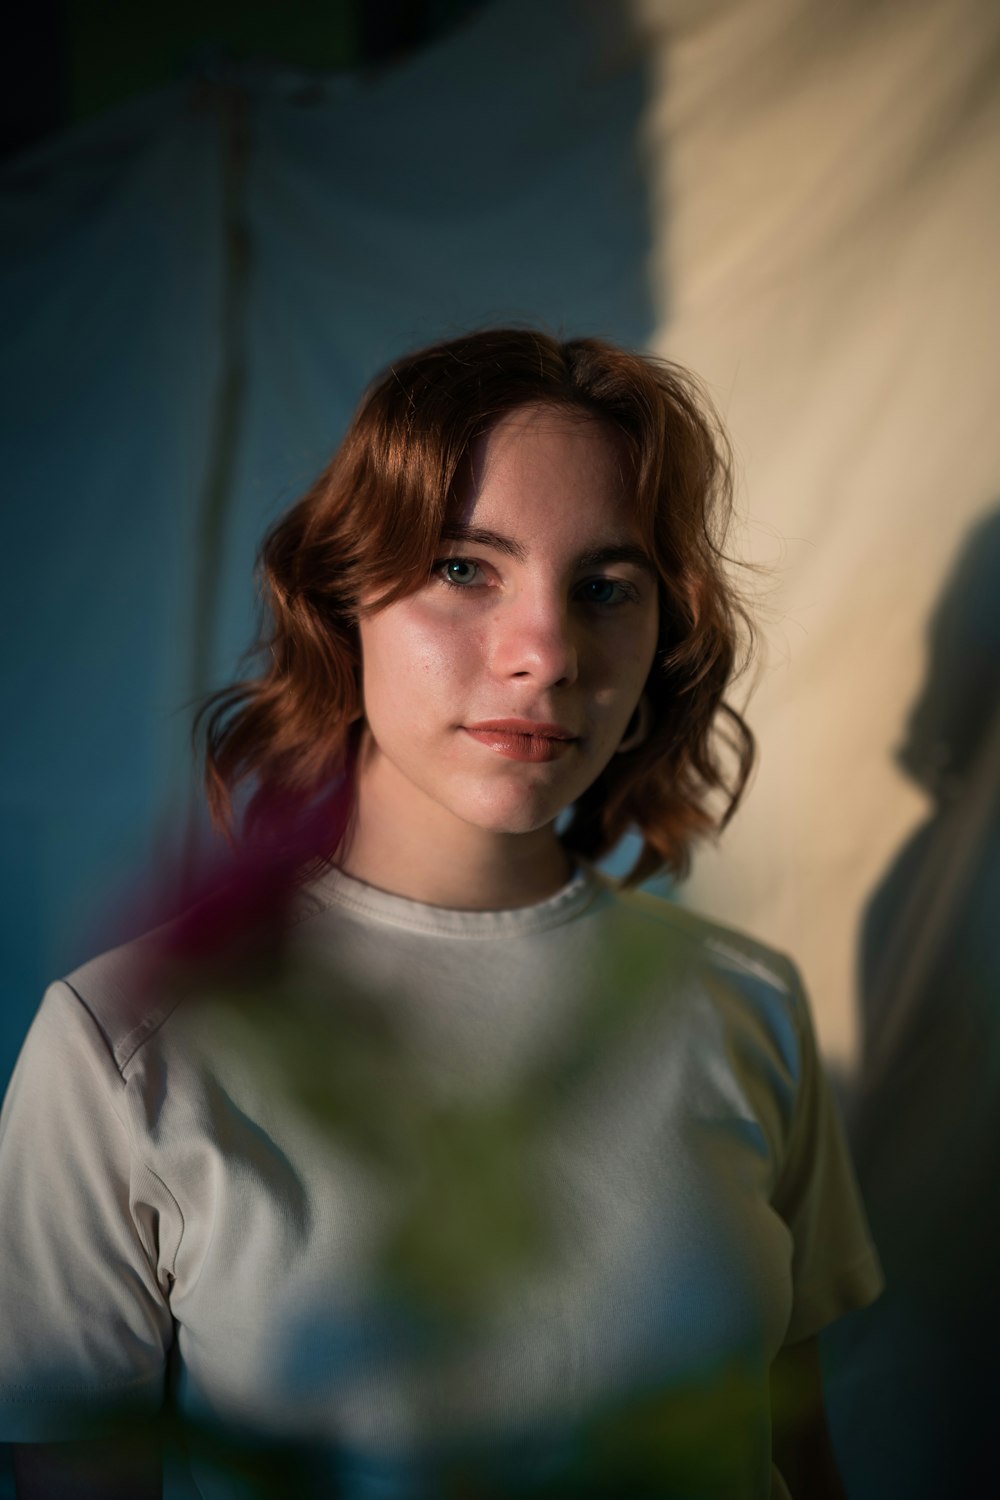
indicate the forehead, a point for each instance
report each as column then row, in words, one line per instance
column 546, row 458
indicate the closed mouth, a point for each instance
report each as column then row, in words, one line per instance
column 522, row 739
column 527, row 728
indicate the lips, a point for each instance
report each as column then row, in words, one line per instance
column 523, row 739
column 524, row 726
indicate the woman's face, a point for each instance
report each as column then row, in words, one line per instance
column 542, row 611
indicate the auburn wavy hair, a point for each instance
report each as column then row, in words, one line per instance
column 372, row 524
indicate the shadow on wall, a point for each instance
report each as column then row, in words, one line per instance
column 914, row 1416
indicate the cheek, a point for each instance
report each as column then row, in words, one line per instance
column 627, row 660
column 415, row 658
column 644, row 653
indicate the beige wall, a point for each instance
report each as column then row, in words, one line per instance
column 828, row 233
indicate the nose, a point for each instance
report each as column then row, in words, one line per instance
column 535, row 640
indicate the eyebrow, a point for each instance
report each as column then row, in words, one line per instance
column 594, row 557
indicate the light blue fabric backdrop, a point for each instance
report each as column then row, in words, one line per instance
column 161, row 406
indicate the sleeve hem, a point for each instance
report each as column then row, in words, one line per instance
column 36, row 1415
column 857, row 1286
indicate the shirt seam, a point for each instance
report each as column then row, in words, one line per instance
column 136, row 1156
column 143, row 1030
column 171, row 1267
column 809, row 1289
column 538, row 924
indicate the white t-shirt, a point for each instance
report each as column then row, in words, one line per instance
column 215, row 1206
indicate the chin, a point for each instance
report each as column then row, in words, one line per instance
column 520, row 815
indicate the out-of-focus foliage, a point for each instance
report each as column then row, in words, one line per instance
column 472, row 1210
column 471, row 1217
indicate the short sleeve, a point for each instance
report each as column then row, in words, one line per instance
column 83, row 1306
column 835, row 1266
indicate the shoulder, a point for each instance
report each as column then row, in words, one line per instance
column 711, row 943
column 117, row 991
column 731, row 990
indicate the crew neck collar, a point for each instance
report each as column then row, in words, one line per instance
column 333, row 888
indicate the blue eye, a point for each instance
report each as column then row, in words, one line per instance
column 458, row 571
column 606, row 591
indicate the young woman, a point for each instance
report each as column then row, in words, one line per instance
column 500, row 634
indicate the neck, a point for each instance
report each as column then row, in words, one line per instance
column 445, row 862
